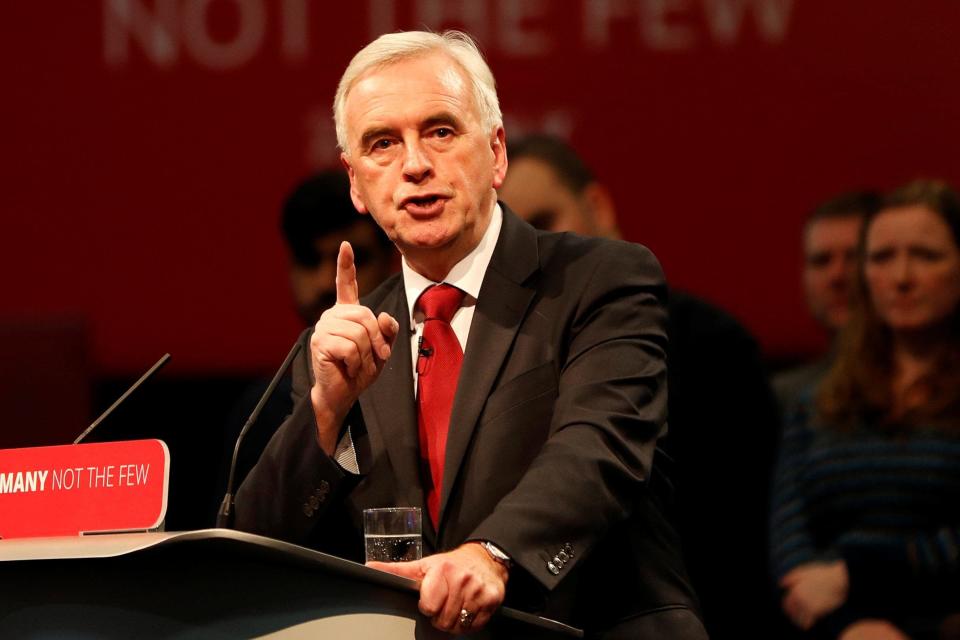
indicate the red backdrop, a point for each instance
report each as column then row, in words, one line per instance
column 147, row 144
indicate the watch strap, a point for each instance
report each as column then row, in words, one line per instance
column 497, row 553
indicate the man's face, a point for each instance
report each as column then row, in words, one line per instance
column 534, row 191
column 420, row 160
column 314, row 287
column 830, row 256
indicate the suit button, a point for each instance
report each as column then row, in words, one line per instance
column 552, row 568
column 557, row 561
column 324, row 489
column 563, row 556
column 308, row 510
column 569, row 549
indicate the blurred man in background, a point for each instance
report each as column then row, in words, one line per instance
column 317, row 216
column 721, row 412
column 830, row 239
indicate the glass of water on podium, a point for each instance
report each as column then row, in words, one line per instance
column 393, row 534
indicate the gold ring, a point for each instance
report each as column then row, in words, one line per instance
column 466, row 618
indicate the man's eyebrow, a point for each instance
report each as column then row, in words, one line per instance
column 444, row 117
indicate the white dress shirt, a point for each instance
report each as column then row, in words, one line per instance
column 467, row 275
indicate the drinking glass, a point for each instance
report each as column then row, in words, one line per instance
column 392, row 534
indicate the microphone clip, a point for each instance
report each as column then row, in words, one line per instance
column 422, row 351
column 423, row 357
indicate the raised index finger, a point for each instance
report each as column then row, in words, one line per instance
column 347, row 290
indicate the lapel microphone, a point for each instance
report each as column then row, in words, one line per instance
column 422, row 351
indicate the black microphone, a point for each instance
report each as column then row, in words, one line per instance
column 422, row 351
column 225, row 515
column 136, row 385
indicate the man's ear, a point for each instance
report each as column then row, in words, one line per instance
column 600, row 206
column 498, row 144
column 354, row 193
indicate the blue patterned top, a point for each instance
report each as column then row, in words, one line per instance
column 889, row 505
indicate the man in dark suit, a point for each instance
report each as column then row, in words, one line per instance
column 538, row 470
column 830, row 238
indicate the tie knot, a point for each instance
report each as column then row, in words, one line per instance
column 440, row 302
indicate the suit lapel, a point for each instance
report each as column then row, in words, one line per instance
column 501, row 306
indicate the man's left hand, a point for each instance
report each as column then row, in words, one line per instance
column 465, row 579
column 813, row 590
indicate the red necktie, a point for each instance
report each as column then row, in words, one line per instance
column 438, row 367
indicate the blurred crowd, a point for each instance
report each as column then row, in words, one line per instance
column 820, row 502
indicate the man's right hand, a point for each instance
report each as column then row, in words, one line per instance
column 348, row 350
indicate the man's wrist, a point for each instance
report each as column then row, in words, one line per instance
column 328, row 421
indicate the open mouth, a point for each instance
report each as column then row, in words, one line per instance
column 430, row 204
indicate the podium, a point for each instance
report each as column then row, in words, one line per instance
column 211, row 584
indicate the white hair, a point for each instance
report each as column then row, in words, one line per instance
column 391, row 48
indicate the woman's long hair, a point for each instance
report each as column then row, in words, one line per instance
column 858, row 389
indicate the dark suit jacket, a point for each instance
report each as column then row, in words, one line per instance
column 560, row 402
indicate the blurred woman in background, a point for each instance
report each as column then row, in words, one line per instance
column 865, row 528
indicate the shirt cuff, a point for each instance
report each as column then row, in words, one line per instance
column 345, row 455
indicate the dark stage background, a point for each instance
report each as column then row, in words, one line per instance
column 147, row 145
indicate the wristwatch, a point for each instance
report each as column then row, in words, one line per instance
column 497, row 553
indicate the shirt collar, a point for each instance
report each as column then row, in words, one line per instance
column 466, row 275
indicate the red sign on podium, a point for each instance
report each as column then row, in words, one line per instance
column 83, row 488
